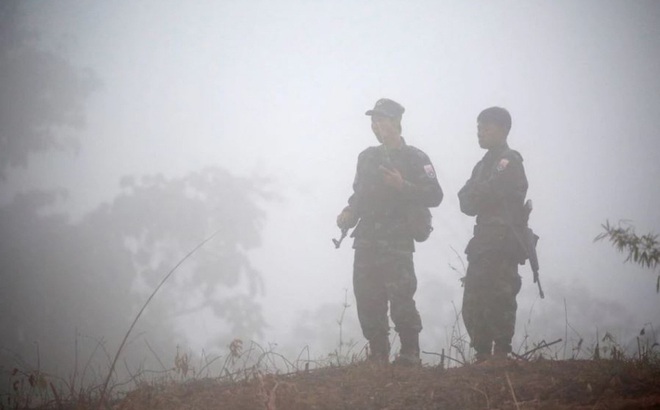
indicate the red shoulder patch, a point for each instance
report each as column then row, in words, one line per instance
column 502, row 165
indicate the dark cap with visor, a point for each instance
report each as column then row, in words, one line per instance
column 387, row 108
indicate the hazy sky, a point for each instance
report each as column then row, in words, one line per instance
column 279, row 88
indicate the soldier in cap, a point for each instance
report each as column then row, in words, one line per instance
column 495, row 194
column 391, row 179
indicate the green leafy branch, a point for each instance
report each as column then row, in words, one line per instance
column 643, row 250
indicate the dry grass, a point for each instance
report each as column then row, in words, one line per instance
column 252, row 377
column 544, row 384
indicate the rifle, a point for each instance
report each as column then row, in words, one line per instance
column 530, row 241
column 337, row 242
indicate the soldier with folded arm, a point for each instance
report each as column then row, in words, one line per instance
column 495, row 194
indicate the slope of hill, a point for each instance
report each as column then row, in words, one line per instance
column 543, row 384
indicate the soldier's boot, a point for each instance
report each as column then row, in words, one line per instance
column 379, row 349
column 481, row 357
column 409, row 353
column 501, row 350
column 483, row 351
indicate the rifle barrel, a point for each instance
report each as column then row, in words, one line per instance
column 538, row 282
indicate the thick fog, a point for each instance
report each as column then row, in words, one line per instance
column 275, row 92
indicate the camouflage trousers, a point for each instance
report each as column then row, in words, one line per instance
column 380, row 277
column 489, row 302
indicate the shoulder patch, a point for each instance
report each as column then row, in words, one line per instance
column 430, row 172
column 501, row 166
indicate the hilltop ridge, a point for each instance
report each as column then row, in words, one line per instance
column 511, row 384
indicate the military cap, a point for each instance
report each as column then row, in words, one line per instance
column 387, row 108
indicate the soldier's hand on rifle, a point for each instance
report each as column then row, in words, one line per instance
column 392, row 177
column 346, row 219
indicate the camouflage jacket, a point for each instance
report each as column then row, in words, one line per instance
column 381, row 208
column 495, row 194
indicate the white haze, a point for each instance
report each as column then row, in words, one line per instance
column 279, row 88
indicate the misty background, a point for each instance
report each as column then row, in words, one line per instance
column 131, row 131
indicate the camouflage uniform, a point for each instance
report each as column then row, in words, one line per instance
column 383, row 269
column 495, row 193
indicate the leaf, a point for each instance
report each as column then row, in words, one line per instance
column 644, row 250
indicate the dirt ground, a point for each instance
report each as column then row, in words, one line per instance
column 543, row 384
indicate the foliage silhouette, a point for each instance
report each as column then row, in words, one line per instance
column 62, row 278
column 42, row 95
column 643, row 250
